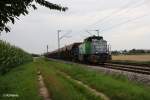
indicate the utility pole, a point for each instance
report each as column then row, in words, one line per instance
column 47, row 48
column 110, row 49
column 97, row 32
column 59, row 38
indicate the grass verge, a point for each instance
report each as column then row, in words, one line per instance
column 114, row 88
column 62, row 88
column 20, row 81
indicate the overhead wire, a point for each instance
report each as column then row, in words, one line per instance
column 125, row 22
column 126, row 9
column 128, row 21
column 123, row 8
column 116, row 11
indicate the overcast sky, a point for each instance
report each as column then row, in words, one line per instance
column 125, row 24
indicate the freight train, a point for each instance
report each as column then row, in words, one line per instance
column 93, row 49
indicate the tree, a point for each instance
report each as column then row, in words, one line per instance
column 12, row 9
column 124, row 52
column 115, row 52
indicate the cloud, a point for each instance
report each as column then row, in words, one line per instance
column 34, row 31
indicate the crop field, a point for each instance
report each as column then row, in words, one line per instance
column 71, row 81
column 11, row 56
column 139, row 58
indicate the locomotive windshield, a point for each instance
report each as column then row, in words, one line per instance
column 99, row 46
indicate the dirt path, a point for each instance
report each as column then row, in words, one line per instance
column 42, row 88
column 97, row 93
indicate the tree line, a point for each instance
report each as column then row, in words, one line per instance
column 130, row 52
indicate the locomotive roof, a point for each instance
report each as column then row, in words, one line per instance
column 93, row 37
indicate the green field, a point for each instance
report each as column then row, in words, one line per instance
column 63, row 81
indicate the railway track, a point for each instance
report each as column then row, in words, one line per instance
column 129, row 68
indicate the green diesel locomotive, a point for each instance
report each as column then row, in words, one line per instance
column 94, row 49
